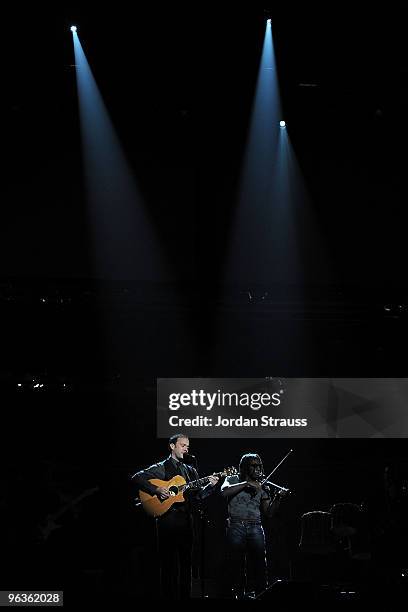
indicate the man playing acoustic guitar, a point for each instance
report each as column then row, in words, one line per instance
column 175, row 526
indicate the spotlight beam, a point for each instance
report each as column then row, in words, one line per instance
column 124, row 246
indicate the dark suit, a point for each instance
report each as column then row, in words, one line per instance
column 174, row 528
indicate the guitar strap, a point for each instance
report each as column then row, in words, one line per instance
column 172, row 470
column 185, row 472
column 169, row 469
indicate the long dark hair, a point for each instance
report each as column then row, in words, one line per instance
column 244, row 464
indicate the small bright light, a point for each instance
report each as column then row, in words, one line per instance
column 73, row 28
column 268, row 21
column 282, row 124
column 19, row 385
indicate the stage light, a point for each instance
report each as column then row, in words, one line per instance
column 268, row 21
column 73, row 28
column 282, row 124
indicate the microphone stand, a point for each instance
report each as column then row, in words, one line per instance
column 267, row 482
column 191, row 460
column 203, row 522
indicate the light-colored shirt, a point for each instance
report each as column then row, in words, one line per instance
column 245, row 504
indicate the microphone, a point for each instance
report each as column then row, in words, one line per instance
column 189, row 459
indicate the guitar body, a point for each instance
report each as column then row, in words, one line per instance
column 157, row 507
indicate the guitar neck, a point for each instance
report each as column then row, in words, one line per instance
column 196, row 484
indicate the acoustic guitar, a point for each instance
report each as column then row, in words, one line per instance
column 154, row 506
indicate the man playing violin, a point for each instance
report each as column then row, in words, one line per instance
column 248, row 500
column 175, row 527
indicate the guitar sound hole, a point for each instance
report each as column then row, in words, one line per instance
column 173, row 491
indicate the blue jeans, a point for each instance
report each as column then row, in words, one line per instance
column 246, row 557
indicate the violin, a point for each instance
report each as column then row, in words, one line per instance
column 267, row 484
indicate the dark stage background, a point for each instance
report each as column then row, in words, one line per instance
column 81, row 353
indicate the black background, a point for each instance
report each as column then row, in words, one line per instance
column 178, row 82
